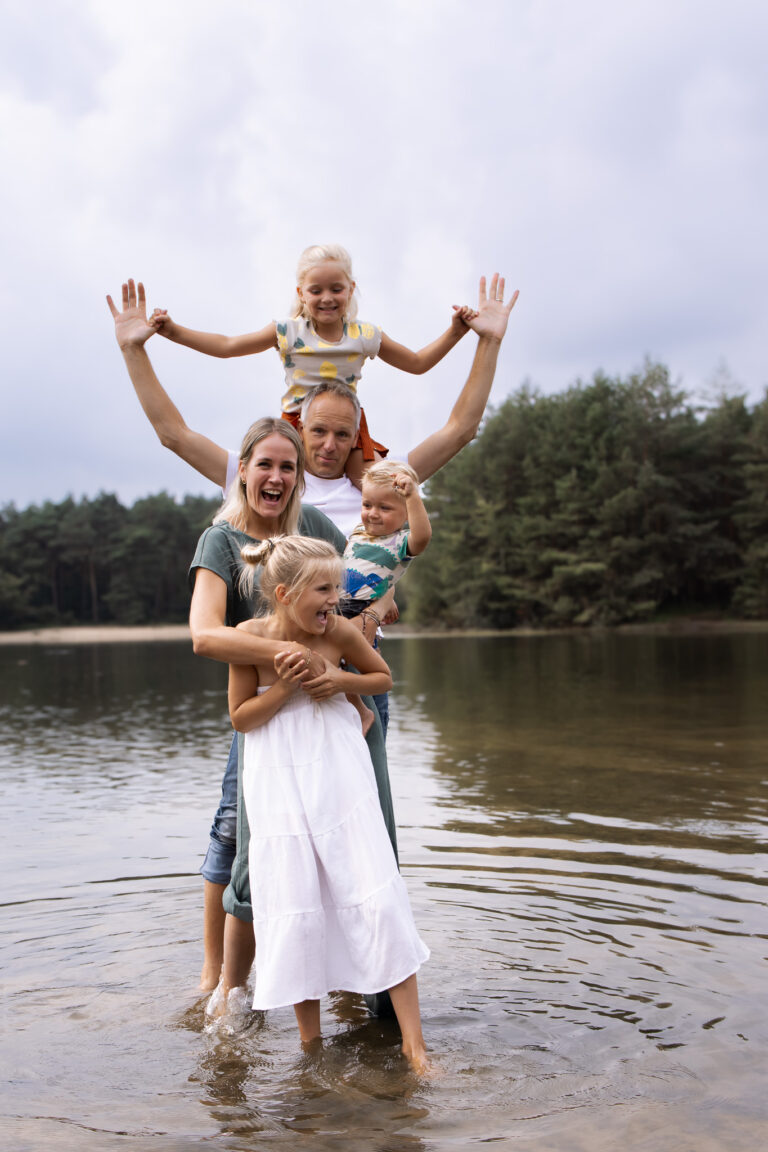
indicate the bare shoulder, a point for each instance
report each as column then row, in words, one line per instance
column 256, row 626
column 341, row 632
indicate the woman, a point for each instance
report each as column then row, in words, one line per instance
column 264, row 501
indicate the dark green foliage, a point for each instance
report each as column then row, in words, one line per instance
column 96, row 561
column 751, row 518
column 609, row 502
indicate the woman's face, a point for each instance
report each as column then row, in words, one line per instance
column 270, row 478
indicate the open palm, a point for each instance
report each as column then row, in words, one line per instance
column 131, row 327
column 492, row 312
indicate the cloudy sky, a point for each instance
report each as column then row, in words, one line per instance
column 610, row 159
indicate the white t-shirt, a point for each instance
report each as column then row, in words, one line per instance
column 338, row 498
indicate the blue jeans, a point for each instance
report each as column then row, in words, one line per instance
column 219, row 858
column 382, row 707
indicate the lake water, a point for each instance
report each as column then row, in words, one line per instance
column 582, row 829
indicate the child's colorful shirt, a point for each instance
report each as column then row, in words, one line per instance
column 309, row 361
column 374, row 563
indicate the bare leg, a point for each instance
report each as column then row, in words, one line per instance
column 213, row 935
column 405, row 1001
column 308, row 1019
column 239, row 951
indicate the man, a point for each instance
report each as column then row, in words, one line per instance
column 328, row 428
column 328, row 425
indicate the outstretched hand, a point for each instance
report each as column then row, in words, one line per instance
column 462, row 314
column 160, row 321
column 132, row 329
column 492, row 313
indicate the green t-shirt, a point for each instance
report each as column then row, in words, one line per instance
column 218, row 550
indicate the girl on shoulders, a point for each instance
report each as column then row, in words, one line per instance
column 323, row 339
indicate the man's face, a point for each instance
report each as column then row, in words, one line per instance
column 329, row 436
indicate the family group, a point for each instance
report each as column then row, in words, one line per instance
column 290, row 586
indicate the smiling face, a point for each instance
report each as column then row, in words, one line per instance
column 329, row 435
column 383, row 511
column 311, row 608
column 269, row 476
column 325, row 293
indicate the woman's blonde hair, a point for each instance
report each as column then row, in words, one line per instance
column 293, row 561
column 384, row 471
column 235, row 508
column 319, row 254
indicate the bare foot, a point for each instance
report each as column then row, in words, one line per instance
column 226, row 999
column 366, row 719
column 421, row 1064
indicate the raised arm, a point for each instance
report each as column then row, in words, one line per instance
column 419, row 527
column 419, row 362
column 213, row 343
column 490, row 324
column 132, row 331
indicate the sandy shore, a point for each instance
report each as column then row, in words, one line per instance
column 115, row 634
column 106, row 634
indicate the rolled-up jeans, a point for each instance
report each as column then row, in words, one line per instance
column 222, row 847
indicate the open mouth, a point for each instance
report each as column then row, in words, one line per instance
column 271, row 496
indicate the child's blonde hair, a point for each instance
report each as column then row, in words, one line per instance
column 290, row 560
column 384, row 471
column 319, row 254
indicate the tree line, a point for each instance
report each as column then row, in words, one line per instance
column 617, row 500
column 96, row 561
column 613, row 501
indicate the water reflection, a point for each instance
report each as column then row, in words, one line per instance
column 580, row 819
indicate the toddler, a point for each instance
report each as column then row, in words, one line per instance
column 394, row 528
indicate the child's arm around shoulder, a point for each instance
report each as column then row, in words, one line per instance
column 398, row 356
column 213, row 343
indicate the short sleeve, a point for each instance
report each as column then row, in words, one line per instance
column 233, row 464
column 368, row 335
column 218, row 551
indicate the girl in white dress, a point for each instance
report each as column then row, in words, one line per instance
column 330, row 908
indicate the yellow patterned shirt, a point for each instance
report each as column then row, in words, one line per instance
column 308, row 360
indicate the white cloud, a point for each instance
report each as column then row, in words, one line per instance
column 611, row 160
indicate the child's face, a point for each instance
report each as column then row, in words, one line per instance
column 383, row 511
column 326, row 292
column 315, row 603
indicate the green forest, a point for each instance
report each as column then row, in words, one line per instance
column 616, row 500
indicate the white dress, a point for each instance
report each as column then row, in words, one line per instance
column 330, row 909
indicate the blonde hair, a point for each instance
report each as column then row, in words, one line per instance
column 235, row 508
column 293, row 561
column 320, row 254
column 384, row 471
